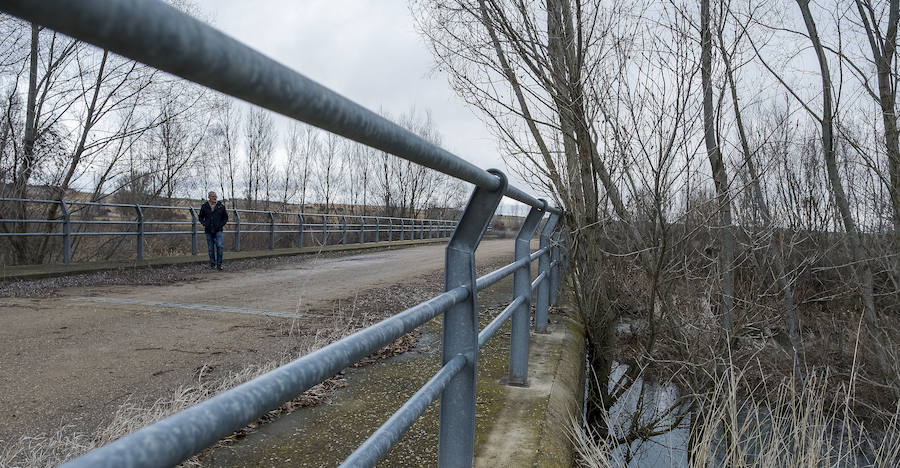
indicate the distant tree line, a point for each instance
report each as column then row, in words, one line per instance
column 76, row 118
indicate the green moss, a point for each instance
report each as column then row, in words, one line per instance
column 326, row 434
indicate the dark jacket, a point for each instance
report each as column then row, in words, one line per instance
column 214, row 219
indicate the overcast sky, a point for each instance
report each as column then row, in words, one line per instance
column 368, row 51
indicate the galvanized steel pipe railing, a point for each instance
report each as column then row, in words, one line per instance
column 177, row 437
column 273, row 224
column 521, row 318
column 543, row 298
column 159, row 35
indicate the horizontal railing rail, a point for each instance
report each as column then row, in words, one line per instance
column 383, row 228
column 159, row 35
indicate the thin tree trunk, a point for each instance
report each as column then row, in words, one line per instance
column 720, row 178
column 878, row 336
column 789, row 313
column 23, row 174
column 883, row 51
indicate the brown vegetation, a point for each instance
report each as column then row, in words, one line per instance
column 730, row 189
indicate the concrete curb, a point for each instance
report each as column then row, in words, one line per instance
column 566, row 399
column 532, row 427
column 28, row 272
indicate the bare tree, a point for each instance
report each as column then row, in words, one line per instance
column 311, row 149
column 175, row 146
column 559, row 116
column 224, row 139
column 259, row 133
column 291, row 170
column 755, row 195
column 404, row 188
column 83, row 110
column 881, row 32
column 880, row 340
column 720, row 176
column 330, row 170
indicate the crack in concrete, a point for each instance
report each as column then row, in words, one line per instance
column 184, row 305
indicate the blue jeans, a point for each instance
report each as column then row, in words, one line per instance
column 214, row 247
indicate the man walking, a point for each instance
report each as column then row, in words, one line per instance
column 214, row 216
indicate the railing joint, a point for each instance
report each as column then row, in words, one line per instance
column 140, row 232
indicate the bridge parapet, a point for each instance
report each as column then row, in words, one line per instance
column 80, row 220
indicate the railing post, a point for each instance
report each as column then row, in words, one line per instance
column 237, row 231
column 554, row 270
column 402, row 227
column 194, row 247
column 542, row 305
column 564, row 254
column 521, row 317
column 300, row 231
column 324, row 229
column 460, row 330
column 344, row 230
column 362, row 230
column 271, row 231
column 140, row 232
column 67, row 232
column 390, row 229
column 377, row 228
column 422, row 230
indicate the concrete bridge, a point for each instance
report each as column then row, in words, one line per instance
column 160, row 36
column 78, row 346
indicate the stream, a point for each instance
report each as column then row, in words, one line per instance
column 759, row 427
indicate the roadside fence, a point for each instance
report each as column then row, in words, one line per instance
column 277, row 229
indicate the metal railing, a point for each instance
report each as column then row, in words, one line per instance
column 156, row 34
column 302, row 226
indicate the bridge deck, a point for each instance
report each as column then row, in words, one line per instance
column 74, row 356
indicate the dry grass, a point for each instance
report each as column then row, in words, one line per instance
column 752, row 414
column 48, row 450
column 64, row 444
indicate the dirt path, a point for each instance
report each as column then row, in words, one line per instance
column 72, row 358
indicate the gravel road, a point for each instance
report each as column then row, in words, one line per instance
column 72, row 355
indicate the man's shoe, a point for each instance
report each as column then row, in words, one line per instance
column 219, row 267
column 212, row 267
